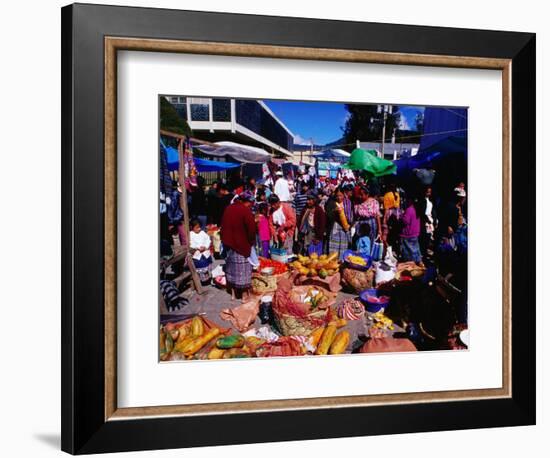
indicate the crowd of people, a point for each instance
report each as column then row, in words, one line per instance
column 310, row 214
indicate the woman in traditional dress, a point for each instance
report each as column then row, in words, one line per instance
column 311, row 227
column 238, row 233
column 368, row 212
column 338, row 228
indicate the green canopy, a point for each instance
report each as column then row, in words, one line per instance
column 367, row 161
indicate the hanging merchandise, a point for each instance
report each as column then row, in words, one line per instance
column 190, row 170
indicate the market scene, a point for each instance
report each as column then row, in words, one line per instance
column 310, row 228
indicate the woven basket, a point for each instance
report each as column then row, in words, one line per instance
column 263, row 284
column 292, row 325
column 296, row 326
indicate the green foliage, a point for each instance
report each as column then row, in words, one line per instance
column 171, row 120
column 364, row 123
column 419, row 122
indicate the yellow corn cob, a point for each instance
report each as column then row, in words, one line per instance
column 183, row 343
column 326, row 340
column 340, row 343
column 315, row 336
column 200, row 342
column 216, row 353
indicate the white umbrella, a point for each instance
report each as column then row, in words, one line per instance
column 239, row 152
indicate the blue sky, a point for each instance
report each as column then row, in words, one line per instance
column 321, row 121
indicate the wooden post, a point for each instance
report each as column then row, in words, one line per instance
column 183, row 199
column 185, row 210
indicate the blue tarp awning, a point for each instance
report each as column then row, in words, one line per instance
column 202, row 165
column 171, row 156
column 205, row 165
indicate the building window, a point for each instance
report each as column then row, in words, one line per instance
column 255, row 117
column 199, row 112
column 221, row 109
column 173, row 100
column 200, row 108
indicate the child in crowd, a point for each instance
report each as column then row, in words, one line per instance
column 363, row 244
column 199, row 243
column 263, row 228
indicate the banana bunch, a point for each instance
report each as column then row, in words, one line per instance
column 314, row 265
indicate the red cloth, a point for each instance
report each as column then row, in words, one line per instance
column 238, row 229
column 290, row 221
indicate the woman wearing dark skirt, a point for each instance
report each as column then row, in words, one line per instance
column 338, row 228
column 238, row 234
column 311, row 226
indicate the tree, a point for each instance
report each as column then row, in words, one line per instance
column 419, row 122
column 171, row 120
column 364, row 123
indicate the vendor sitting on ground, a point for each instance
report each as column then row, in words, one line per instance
column 200, row 244
column 238, row 233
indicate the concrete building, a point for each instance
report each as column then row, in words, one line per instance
column 245, row 121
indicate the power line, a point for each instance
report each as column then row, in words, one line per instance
column 409, row 136
column 454, row 112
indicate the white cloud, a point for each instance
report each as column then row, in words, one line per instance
column 299, row 140
column 403, row 123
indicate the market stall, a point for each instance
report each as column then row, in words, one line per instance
column 296, row 313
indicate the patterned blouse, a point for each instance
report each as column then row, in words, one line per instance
column 368, row 209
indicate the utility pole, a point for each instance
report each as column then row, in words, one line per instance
column 384, row 131
column 385, row 109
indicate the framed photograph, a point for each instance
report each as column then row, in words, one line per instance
column 286, row 228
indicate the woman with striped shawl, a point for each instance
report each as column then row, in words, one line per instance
column 338, row 228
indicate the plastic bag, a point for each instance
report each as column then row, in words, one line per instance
column 390, row 258
column 383, row 273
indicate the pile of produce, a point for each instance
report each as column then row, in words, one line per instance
column 382, row 325
column 358, row 260
column 314, row 265
column 327, row 339
column 200, row 339
column 278, row 267
column 300, row 301
column 358, row 280
column 189, row 339
column 298, row 310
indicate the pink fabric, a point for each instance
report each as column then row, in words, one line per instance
column 368, row 209
column 411, row 223
column 263, row 228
